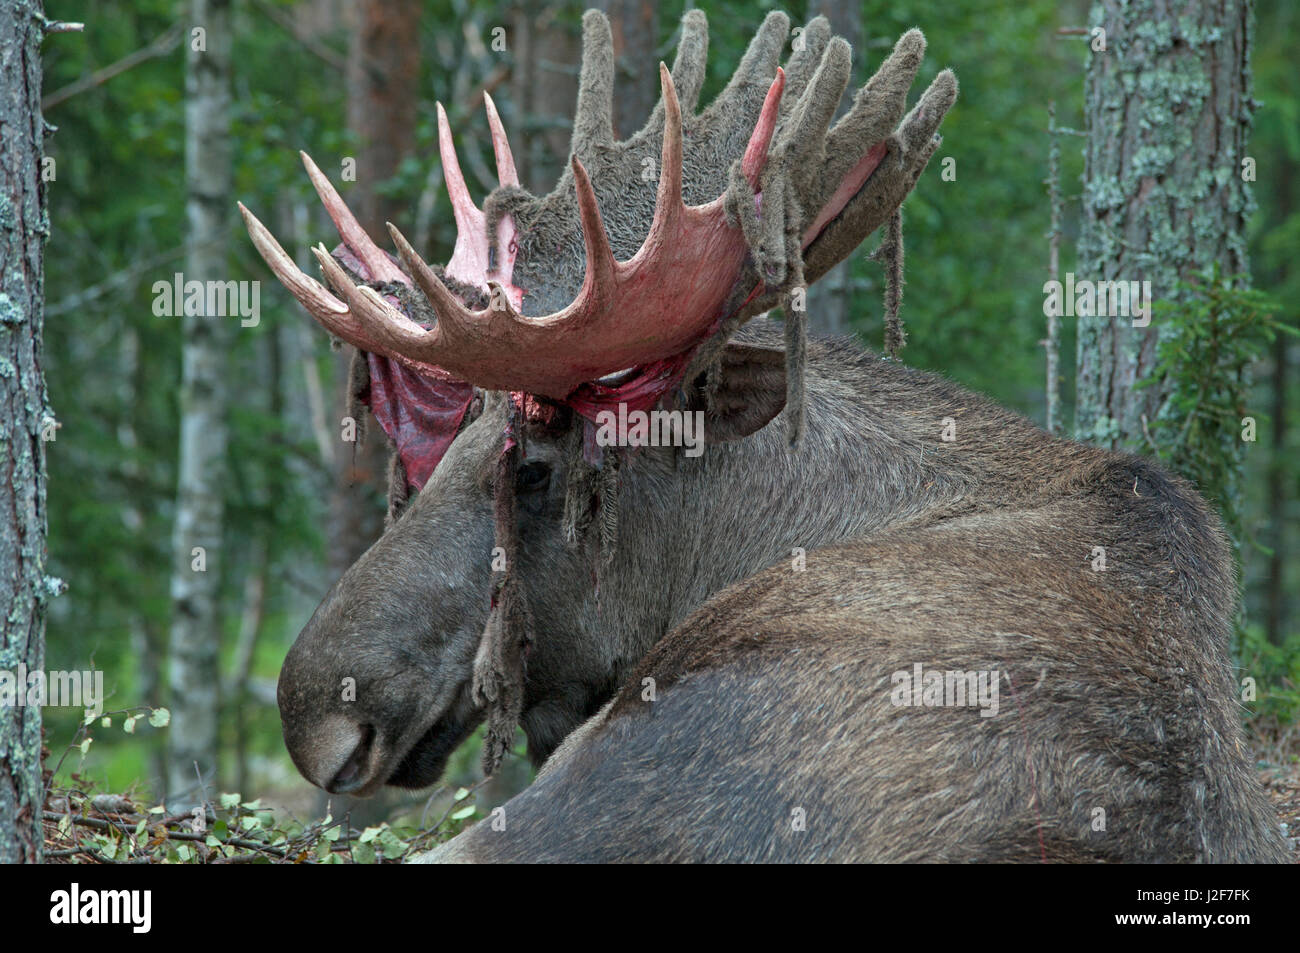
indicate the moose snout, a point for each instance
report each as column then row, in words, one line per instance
column 338, row 756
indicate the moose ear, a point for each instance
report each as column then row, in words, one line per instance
column 749, row 392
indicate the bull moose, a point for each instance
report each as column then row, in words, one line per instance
column 868, row 622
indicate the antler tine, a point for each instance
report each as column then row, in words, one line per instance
column 379, row 322
column 598, row 285
column 805, row 139
column 310, row 293
column 452, row 313
column 878, row 106
column 803, row 63
column 462, row 206
column 692, row 58
column 593, row 120
column 333, row 315
column 506, row 174
column 816, row 108
column 761, row 138
column 350, row 230
column 668, row 200
column 912, row 147
column 923, row 121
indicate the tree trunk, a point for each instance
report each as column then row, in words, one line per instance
column 1168, row 108
column 196, row 541
column 24, row 586
column 544, row 90
column 383, row 91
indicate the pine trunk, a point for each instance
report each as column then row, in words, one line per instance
column 1168, row 109
column 23, row 584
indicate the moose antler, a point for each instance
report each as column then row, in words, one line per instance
column 775, row 179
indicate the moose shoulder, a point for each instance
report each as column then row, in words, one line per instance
column 871, row 616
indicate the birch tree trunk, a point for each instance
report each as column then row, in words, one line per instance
column 1168, row 109
column 196, row 542
column 24, row 586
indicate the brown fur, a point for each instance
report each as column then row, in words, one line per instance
column 773, row 686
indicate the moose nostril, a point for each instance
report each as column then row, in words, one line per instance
column 352, row 775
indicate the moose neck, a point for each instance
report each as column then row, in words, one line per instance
column 873, row 458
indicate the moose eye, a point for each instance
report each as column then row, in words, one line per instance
column 533, row 477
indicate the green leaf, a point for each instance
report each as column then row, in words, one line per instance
column 128, row 724
column 229, row 801
column 392, row 846
column 461, row 794
column 464, row 812
column 160, row 717
column 85, row 744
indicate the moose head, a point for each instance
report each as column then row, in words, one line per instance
column 534, row 566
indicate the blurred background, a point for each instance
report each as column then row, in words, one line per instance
column 289, row 504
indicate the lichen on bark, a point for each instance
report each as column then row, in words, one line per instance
column 23, row 409
column 1168, row 113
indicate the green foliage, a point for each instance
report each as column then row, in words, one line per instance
column 114, row 830
column 1276, row 670
column 976, row 245
column 1209, row 339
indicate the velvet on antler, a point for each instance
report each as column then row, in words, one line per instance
column 772, row 181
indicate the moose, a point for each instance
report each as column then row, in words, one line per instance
column 867, row 623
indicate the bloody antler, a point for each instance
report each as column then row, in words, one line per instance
column 659, row 303
column 796, row 181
